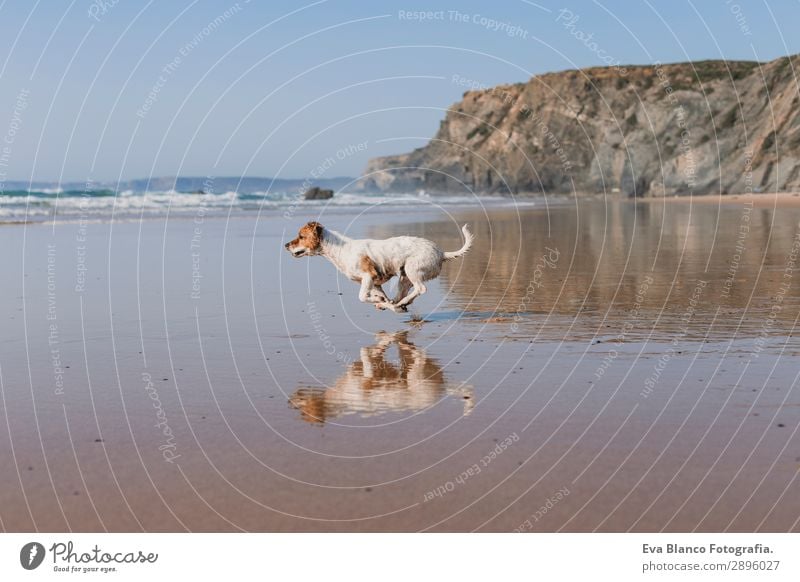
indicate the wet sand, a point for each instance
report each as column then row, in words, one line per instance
column 763, row 200
column 600, row 367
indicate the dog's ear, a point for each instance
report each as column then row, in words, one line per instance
column 317, row 227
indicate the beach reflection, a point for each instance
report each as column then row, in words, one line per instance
column 582, row 270
column 376, row 384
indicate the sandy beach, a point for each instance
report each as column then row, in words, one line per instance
column 618, row 366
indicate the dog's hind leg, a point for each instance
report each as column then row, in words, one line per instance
column 418, row 289
column 403, row 287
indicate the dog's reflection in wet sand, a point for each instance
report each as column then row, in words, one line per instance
column 374, row 385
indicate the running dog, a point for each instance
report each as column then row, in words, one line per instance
column 372, row 263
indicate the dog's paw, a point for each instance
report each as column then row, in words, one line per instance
column 380, row 306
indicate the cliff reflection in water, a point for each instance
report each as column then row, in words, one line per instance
column 583, row 269
column 376, row 384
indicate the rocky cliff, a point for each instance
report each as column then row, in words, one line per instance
column 699, row 127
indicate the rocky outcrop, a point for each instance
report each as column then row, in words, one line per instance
column 317, row 193
column 699, row 127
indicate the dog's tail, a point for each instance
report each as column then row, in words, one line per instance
column 468, row 238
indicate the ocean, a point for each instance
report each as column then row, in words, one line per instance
column 58, row 205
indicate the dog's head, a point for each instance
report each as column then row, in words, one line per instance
column 308, row 241
column 311, row 404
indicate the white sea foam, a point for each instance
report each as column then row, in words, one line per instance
column 44, row 205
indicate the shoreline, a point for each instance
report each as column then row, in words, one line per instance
column 765, row 200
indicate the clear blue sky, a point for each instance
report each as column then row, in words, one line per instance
column 264, row 92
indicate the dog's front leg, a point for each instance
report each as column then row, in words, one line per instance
column 377, row 295
column 391, row 306
column 365, row 293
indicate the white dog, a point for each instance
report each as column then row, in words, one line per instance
column 374, row 262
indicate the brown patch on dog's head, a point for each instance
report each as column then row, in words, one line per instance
column 308, row 241
column 311, row 404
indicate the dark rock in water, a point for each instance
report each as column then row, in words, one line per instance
column 316, row 193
